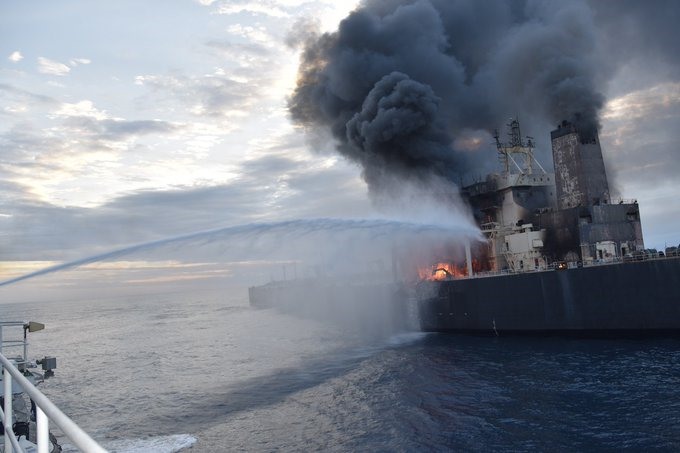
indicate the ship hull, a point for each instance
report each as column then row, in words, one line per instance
column 636, row 297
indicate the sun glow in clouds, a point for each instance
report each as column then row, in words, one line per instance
column 187, row 129
column 15, row 57
column 638, row 104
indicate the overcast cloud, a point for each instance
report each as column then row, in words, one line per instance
column 117, row 131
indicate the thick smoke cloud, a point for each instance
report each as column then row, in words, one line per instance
column 399, row 80
column 399, row 118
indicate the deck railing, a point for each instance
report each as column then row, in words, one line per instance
column 639, row 256
column 46, row 411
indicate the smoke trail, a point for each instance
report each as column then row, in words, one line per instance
column 282, row 232
column 400, row 79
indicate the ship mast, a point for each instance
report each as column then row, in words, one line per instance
column 516, row 151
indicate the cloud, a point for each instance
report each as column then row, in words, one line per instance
column 263, row 8
column 229, row 48
column 15, row 56
column 642, row 103
column 265, row 189
column 81, row 108
column 83, row 117
column 257, row 33
column 209, row 96
column 640, row 137
column 47, row 66
column 116, row 129
column 74, row 154
column 18, row 100
column 76, row 61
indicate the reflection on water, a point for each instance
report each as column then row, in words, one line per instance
column 236, row 378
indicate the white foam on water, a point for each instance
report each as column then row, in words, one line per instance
column 160, row 444
column 405, row 338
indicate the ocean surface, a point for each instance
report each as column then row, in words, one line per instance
column 208, row 373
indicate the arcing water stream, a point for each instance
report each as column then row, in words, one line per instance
column 289, row 234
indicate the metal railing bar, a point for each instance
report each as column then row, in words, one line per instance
column 79, row 437
column 12, row 437
column 13, row 440
column 7, row 410
column 42, row 436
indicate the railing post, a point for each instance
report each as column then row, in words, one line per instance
column 7, row 380
column 42, row 436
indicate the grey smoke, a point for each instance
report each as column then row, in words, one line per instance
column 399, row 118
column 400, row 79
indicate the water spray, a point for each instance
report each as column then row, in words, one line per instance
column 296, row 228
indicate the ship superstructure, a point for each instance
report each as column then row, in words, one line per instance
column 586, row 225
column 504, row 203
column 533, row 218
column 566, row 257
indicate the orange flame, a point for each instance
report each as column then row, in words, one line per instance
column 442, row 271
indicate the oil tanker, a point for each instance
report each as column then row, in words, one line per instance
column 560, row 255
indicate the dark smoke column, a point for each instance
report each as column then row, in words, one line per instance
column 398, row 131
column 401, row 79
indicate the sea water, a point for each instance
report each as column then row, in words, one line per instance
column 168, row 372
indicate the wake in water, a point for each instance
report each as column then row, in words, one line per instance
column 160, row 444
column 292, row 238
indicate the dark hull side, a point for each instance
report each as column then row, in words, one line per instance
column 636, row 297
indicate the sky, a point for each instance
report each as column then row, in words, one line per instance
column 126, row 122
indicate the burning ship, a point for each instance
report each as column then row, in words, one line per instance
column 560, row 255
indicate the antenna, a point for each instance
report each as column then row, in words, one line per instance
column 516, row 147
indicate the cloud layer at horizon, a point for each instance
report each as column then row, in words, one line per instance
column 116, row 131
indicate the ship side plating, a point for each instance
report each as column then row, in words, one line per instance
column 637, row 296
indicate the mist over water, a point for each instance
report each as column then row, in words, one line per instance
column 122, row 352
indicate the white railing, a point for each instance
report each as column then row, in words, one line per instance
column 45, row 411
column 638, row 256
column 13, row 372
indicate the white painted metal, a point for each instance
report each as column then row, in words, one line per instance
column 7, row 410
column 43, row 435
column 45, row 409
column 75, row 434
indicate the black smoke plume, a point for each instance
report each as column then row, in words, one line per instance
column 398, row 129
column 400, row 79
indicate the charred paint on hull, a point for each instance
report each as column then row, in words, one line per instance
column 634, row 297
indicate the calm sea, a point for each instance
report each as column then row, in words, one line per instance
column 166, row 373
